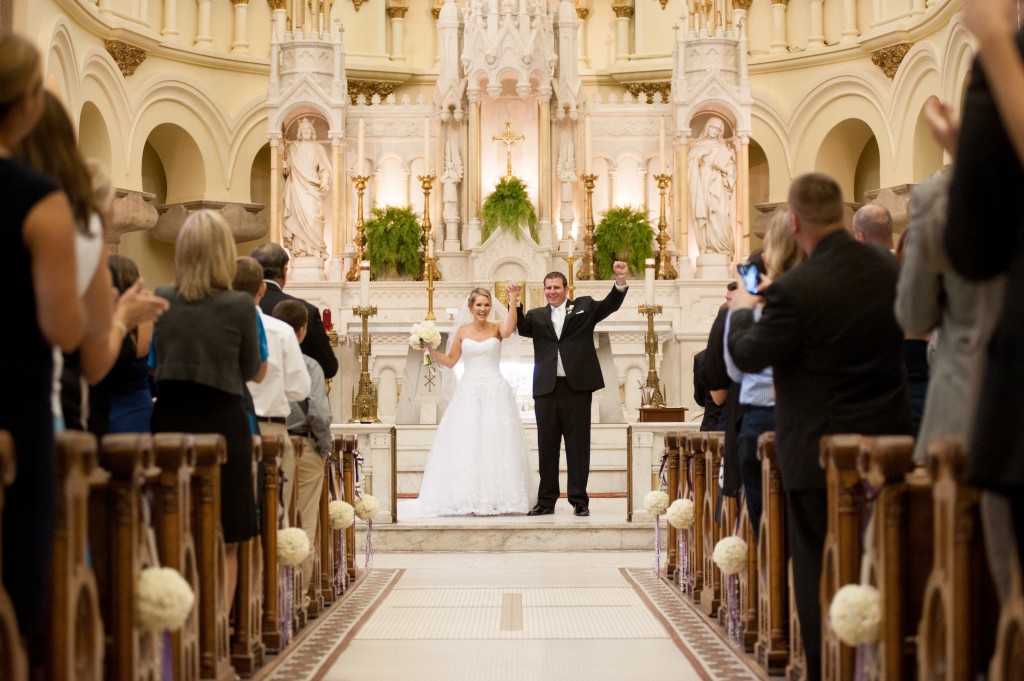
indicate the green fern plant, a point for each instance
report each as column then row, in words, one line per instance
column 393, row 239
column 508, row 207
column 624, row 233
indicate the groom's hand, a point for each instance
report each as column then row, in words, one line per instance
column 621, row 269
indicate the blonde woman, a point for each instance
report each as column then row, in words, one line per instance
column 206, row 347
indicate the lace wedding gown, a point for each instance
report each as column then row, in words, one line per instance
column 479, row 462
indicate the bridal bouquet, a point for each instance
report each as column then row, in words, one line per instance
column 425, row 333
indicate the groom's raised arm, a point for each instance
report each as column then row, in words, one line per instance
column 613, row 301
column 524, row 322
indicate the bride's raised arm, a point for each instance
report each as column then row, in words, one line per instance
column 508, row 326
column 454, row 352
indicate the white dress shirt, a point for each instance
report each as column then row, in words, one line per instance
column 287, row 378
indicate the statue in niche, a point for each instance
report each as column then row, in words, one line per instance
column 308, row 181
column 711, row 172
column 451, row 175
column 565, row 168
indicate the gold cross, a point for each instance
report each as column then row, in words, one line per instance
column 508, row 139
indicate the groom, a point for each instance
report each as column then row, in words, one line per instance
column 566, row 373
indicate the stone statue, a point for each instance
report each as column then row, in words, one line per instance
column 711, row 173
column 308, row 170
column 451, row 175
column 565, row 168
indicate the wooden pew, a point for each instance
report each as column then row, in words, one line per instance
column 272, row 448
column 672, row 476
column 693, row 454
column 172, row 520
column 214, row 605
column 13, row 662
column 76, row 630
column 680, row 442
column 345, row 447
column 729, row 605
column 247, row 649
column 772, row 647
column 841, row 557
column 315, row 590
column 298, row 611
column 898, row 548
column 957, row 629
column 1008, row 659
column 330, row 587
column 120, row 548
column 746, row 636
column 796, row 668
column 711, row 594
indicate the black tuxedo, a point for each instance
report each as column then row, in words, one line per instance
column 562, row 405
column 316, row 344
column 829, row 332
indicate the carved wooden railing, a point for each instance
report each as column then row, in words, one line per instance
column 331, row 586
column 711, row 594
column 748, row 578
column 13, row 662
column 796, row 668
column 172, row 520
column 247, row 649
column 76, row 630
column 672, row 477
column 269, row 512
column 298, row 613
column 345, row 447
column 120, row 548
column 693, row 454
column 772, row 647
column 314, row 590
column 1008, row 659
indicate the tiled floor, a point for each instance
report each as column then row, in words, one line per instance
column 536, row 616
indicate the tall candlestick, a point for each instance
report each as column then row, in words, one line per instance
column 430, row 246
column 364, row 283
column 649, row 281
column 361, row 150
column 586, row 144
column 426, row 146
column 661, row 144
column 569, row 245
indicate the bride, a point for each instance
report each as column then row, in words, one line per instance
column 479, row 463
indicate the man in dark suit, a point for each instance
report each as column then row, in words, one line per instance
column 274, row 260
column 829, row 332
column 566, row 373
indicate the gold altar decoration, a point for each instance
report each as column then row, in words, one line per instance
column 127, row 57
column 508, row 139
column 364, row 401
column 664, row 270
column 651, row 348
column 501, row 292
column 427, row 239
column 359, row 181
column 587, row 271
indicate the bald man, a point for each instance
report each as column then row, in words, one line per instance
column 872, row 224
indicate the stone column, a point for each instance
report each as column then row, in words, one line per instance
column 743, row 201
column 339, row 190
column 275, row 187
column 170, row 28
column 681, row 189
column 816, row 39
column 780, row 44
column 623, row 11
column 581, row 14
column 240, row 45
column 204, row 40
column 544, row 157
column 396, row 10
column 849, row 32
column 473, row 168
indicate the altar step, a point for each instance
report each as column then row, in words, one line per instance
column 605, row 530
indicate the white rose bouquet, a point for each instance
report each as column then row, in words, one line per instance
column 856, row 614
column 165, row 599
column 425, row 334
column 341, row 514
column 730, row 555
column 656, row 502
column 366, row 507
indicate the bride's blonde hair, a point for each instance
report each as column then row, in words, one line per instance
column 478, row 292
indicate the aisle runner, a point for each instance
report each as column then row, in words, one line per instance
column 328, row 635
column 699, row 640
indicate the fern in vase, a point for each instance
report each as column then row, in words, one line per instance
column 508, row 208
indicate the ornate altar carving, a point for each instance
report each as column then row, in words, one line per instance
column 369, row 88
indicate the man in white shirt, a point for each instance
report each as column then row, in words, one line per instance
column 286, row 378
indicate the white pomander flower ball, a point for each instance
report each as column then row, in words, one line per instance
column 656, row 502
column 366, row 507
column 855, row 614
column 341, row 514
column 165, row 599
column 680, row 514
column 730, row 555
column 292, row 546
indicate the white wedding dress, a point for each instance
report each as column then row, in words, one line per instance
column 479, row 462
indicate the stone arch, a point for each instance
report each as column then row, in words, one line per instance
column 181, row 158
column 841, row 155
column 769, row 133
column 956, row 64
column 60, row 63
column 93, row 135
column 917, row 80
column 102, row 86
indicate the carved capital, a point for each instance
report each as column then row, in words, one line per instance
column 582, row 11
column 663, row 3
column 278, row 4
column 889, row 58
column 649, row 88
column 396, row 9
column 369, row 88
column 744, row 4
column 359, row 3
column 436, row 9
column 127, row 57
column 623, row 11
column 239, row 2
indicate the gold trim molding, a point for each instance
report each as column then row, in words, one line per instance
column 649, row 88
column 359, row 3
column 127, row 57
column 369, row 88
column 889, row 58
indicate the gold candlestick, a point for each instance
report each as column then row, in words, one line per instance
column 429, row 276
column 569, row 260
column 427, row 182
column 664, row 268
column 587, row 270
column 359, row 181
column 651, row 348
column 364, row 401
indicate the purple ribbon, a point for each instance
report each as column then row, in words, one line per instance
column 339, row 564
column 368, row 558
column 657, row 546
column 286, row 607
column 735, row 630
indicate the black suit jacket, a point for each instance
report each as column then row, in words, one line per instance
column 576, row 344
column 985, row 238
column 316, row 344
column 829, row 332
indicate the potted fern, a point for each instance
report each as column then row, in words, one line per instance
column 393, row 237
column 508, row 208
column 624, row 233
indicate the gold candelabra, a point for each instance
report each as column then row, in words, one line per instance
column 427, row 240
column 651, row 348
column 587, row 270
column 428, row 262
column 664, row 267
column 359, row 181
column 569, row 260
column 364, row 401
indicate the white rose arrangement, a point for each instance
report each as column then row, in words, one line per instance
column 425, row 334
column 165, row 599
column 730, row 555
column 656, row 502
column 855, row 614
column 680, row 514
column 341, row 514
column 292, row 546
column 366, row 507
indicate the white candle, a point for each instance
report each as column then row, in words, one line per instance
column 364, row 283
column 569, row 244
column 649, row 281
column 361, row 150
column 661, row 145
column 426, row 146
column 586, row 144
